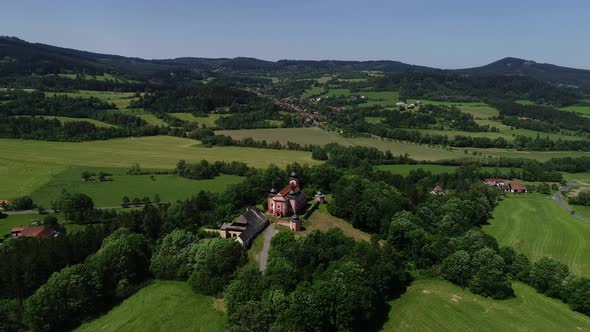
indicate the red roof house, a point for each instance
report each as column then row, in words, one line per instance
column 34, row 232
column 516, row 187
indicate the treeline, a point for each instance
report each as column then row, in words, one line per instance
column 547, row 116
column 582, row 198
column 206, row 170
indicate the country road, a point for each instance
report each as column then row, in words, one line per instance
column 268, row 233
column 559, row 198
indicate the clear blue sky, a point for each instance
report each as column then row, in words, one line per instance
column 440, row 33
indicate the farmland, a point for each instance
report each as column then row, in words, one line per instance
column 64, row 119
column 162, row 306
column 538, row 226
column 506, row 134
column 20, row 178
column 156, row 152
column 169, row 187
column 438, row 306
column 209, row 121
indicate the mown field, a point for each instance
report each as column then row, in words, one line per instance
column 163, row 306
column 317, row 136
column 439, row 306
column 20, row 178
column 169, row 187
column 538, row 226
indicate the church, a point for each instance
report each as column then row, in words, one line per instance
column 289, row 201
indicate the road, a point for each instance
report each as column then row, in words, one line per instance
column 559, row 198
column 268, row 233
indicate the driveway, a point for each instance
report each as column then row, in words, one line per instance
column 268, row 233
column 559, row 198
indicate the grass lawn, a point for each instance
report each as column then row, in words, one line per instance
column 319, row 136
column 153, row 120
column 439, row 306
column 156, row 152
column 323, row 221
column 121, row 99
column 374, row 119
column 20, row 178
column 538, row 226
column 170, row 187
column 480, row 111
column 582, row 109
column 582, row 210
column 162, row 306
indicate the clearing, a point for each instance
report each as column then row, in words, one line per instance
column 538, row 226
column 438, row 306
column 163, row 306
column 323, row 221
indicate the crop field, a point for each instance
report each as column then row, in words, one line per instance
column 209, row 121
column 538, row 226
column 109, row 193
column 439, row 306
column 163, row 306
column 121, row 99
column 20, row 178
column 155, row 152
column 318, row 136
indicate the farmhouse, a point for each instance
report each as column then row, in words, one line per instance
column 438, row 190
column 246, row 227
column 3, row 204
column 34, row 232
column 506, row 186
column 494, row 182
column 517, row 188
column 287, row 202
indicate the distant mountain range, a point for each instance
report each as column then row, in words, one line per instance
column 18, row 57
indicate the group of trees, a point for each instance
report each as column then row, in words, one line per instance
column 206, row 170
column 582, row 198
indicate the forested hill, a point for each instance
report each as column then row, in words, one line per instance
column 18, row 57
column 541, row 71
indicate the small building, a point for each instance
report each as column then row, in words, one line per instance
column 289, row 201
column 38, row 232
column 438, row 190
column 319, row 197
column 516, row 187
column 494, row 182
column 505, row 187
column 295, row 224
column 246, row 227
column 4, row 204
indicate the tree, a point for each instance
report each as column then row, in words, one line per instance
column 86, row 176
column 68, row 297
column 171, row 258
column 489, row 277
column 102, row 176
column 457, row 268
column 125, row 201
column 22, row 203
column 318, row 153
column 50, row 221
column 214, row 262
column 76, row 207
column 157, row 199
column 547, row 276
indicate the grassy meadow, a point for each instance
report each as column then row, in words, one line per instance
column 65, row 119
column 538, row 226
column 163, row 306
column 323, row 221
column 20, row 178
column 439, row 306
column 170, row 187
column 209, row 121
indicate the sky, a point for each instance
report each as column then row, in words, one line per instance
column 436, row 33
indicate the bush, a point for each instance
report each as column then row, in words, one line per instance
column 170, row 260
column 547, row 276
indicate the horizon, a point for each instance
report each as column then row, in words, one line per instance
column 451, row 35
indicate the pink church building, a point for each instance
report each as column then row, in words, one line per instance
column 289, row 201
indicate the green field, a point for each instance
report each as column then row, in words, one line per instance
column 163, row 306
column 209, row 121
column 374, row 119
column 26, row 220
column 537, row 155
column 480, row 111
column 439, row 306
column 20, row 178
column 317, row 136
column 120, row 99
column 156, row 152
column 383, row 98
column 153, row 120
column 170, row 187
column 506, row 134
column 582, row 109
column 64, row 119
column 538, row 226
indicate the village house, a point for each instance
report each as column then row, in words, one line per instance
column 289, row 201
column 245, row 228
column 438, row 190
column 494, row 182
column 34, row 232
column 506, row 186
column 517, row 188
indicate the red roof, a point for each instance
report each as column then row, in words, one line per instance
column 37, row 232
column 287, row 189
column 16, row 229
column 495, row 180
column 517, row 186
column 4, row 201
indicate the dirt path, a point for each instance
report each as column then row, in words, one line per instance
column 559, row 198
column 268, row 233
